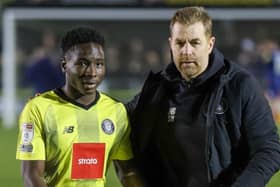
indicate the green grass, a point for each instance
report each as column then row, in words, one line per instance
column 10, row 167
column 274, row 181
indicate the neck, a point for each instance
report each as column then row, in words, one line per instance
column 84, row 99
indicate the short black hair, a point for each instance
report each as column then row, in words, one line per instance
column 81, row 35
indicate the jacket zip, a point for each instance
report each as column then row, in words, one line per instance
column 207, row 139
column 214, row 99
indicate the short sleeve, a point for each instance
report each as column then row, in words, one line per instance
column 30, row 143
column 122, row 148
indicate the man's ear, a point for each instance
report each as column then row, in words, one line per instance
column 211, row 44
column 63, row 64
column 169, row 41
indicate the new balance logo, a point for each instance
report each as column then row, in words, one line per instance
column 68, row 129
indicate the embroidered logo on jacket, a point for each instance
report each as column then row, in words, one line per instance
column 222, row 107
column 171, row 114
column 108, row 126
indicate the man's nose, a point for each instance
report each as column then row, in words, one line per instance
column 91, row 69
column 187, row 49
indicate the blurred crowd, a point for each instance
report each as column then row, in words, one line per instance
column 40, row 68
column 263, row 60
column 134, row 57
column 129, row 62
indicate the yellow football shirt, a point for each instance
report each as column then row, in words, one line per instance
column 51, row 124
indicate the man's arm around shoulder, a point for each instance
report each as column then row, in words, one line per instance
column 128, row 174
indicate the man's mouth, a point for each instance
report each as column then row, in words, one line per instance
column 89, row 84
column 187, row 62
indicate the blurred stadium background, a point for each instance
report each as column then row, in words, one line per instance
column 136, row 31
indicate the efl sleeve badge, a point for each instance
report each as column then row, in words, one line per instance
column 27, row 133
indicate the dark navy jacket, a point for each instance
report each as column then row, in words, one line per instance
column 242, row 144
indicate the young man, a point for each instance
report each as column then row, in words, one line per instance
column 69, row 136
column 203, row 121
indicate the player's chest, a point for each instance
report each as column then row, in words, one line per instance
column 72, row 128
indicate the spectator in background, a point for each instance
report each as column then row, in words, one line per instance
column 269, row 56
column 165, row 53
column 43, row 71
column 113, row 60
column 152, row 60
column 136, row 56
column 203, row 121
column 269, row 62
column 248, row 57
column 133, row 58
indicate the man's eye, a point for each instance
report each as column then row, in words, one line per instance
column 194, row 43
column 83, row 63
column 99, row 64
column 180, row 43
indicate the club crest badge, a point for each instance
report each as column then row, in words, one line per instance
column 27, row 133
column 108, row 126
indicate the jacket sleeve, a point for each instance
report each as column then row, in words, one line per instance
column 150, row 84
column 260, row 131
column 131, row 105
